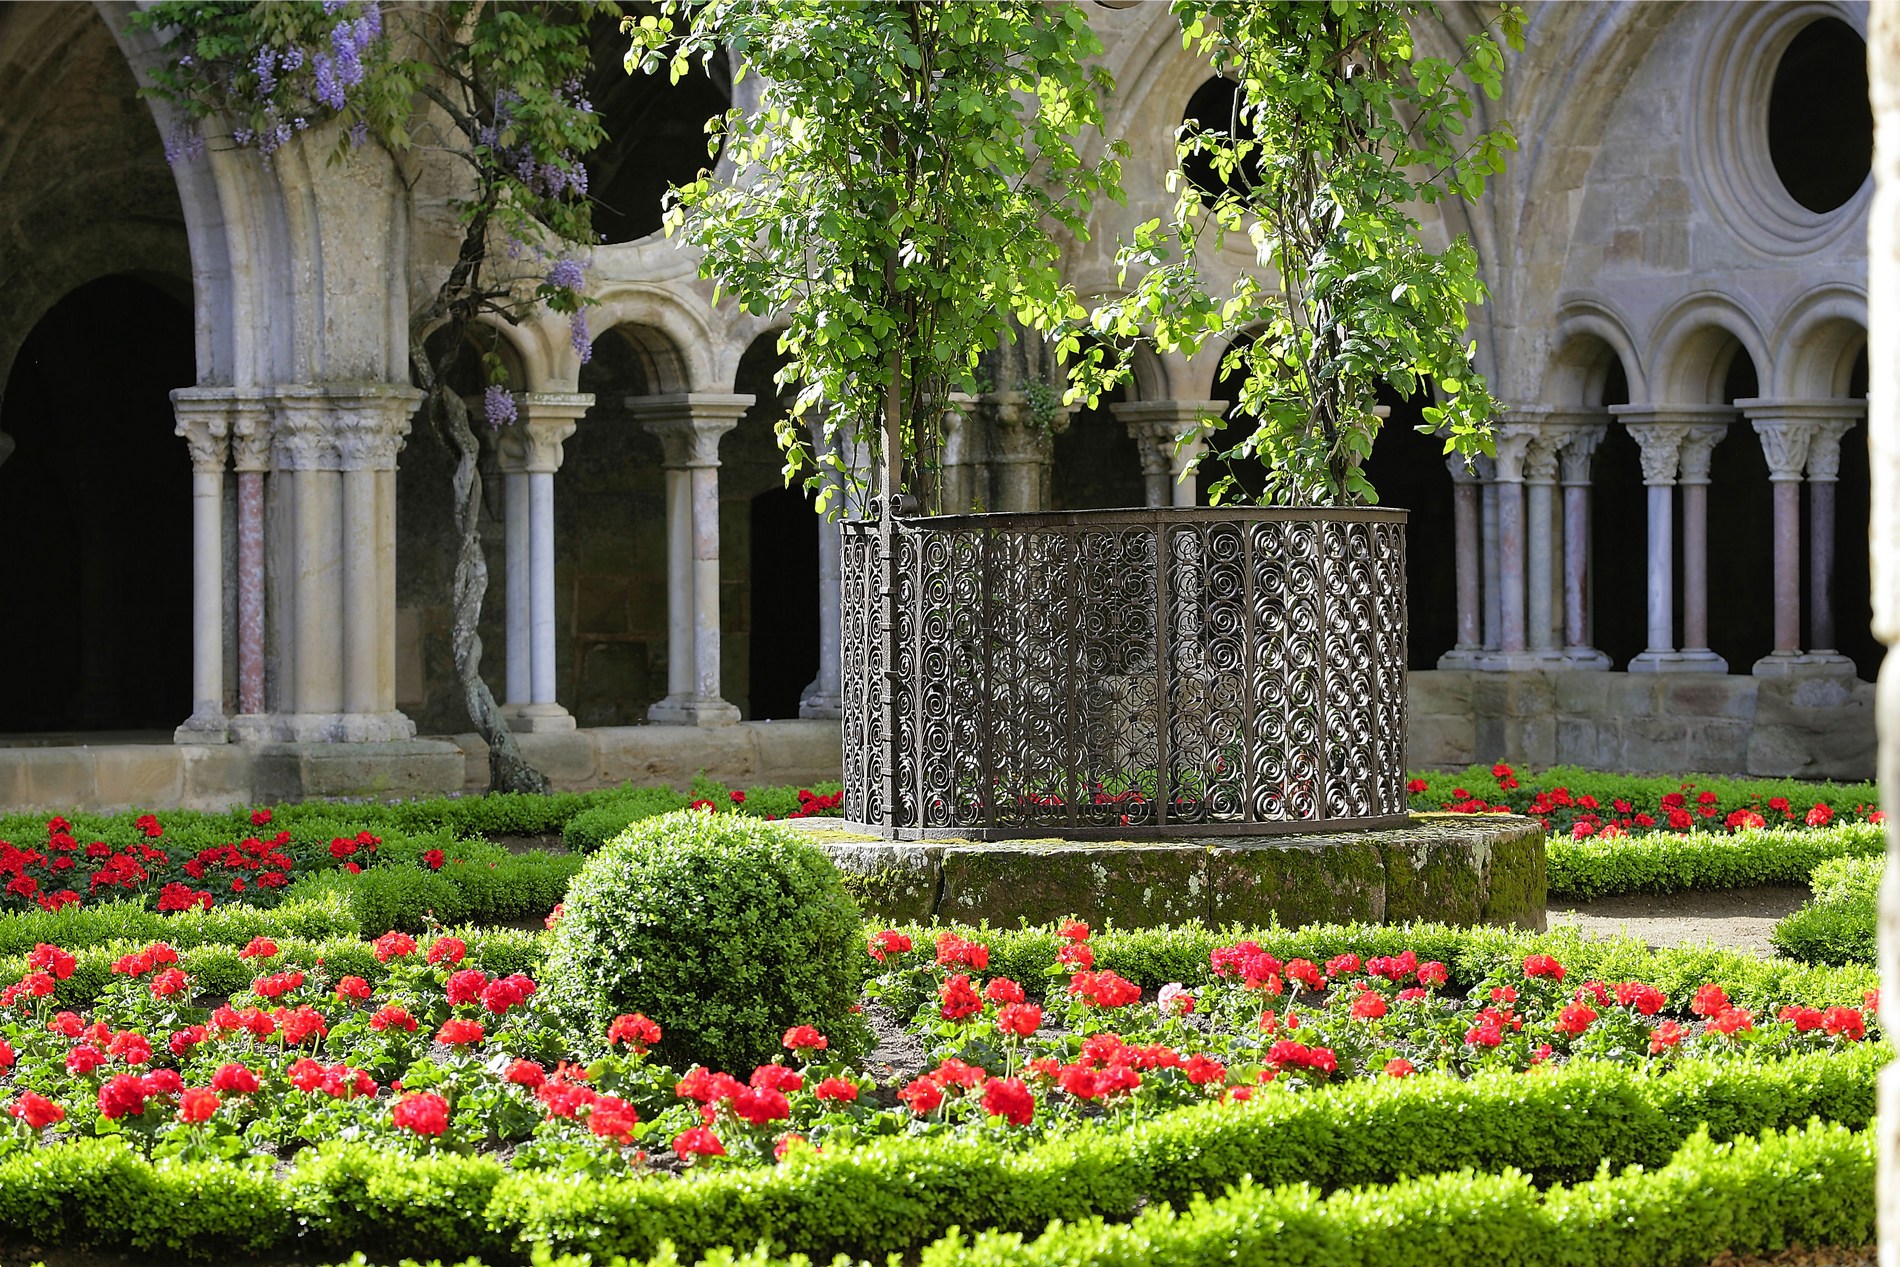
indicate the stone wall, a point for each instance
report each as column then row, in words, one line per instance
column 1811, row 728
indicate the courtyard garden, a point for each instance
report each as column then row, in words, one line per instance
column 657, row 1026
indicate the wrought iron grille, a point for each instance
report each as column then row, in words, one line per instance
column 1125, row 673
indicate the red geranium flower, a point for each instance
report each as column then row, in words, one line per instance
column 1009, row 1099
column 36, row 1110
column 425, row 1113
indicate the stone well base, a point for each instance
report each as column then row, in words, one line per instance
column 1454, row 869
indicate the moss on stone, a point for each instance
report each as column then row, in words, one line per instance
column 1515, row 887
column 1133, row 886
column 891, row 881
column 1336, row 879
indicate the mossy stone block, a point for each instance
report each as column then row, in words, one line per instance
column 1317, row 880
column 1434, row 873
column 1516, row 887
column 893, row 882
column 1134, row 886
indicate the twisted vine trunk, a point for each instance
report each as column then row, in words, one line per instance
column 508, row 770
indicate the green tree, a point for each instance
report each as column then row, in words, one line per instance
column 1342, row 127
column 902, row 191
column 496, row 88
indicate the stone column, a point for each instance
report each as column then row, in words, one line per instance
column 1698, row 448
column 1512, row 443
column 1491, row 609
column 1824, row 472
column 1170, row 435
column 1579, row 449
column 1675, row 440
column 1464, row 526
column 1661, row 445
column 250, row 454
column 1883, row 400
column 333, row 451
column 689, row 427
column 530, row 453
column 824, row 696
column 1540, row 500
column 204, row 422
column 960, row 487
column 1023, row 450
column 1790, row 431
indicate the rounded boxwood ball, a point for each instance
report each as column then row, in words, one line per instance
column 724, row 929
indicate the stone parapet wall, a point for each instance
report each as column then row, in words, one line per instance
column 1804, row 727
column 214, row 777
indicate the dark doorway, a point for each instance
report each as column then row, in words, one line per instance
column 784, row 648
column 1407, row 468
column 95, row 510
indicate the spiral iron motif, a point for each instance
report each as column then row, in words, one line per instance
column 1126, row 673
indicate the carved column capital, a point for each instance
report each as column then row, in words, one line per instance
column 1540, row 457
column 1698, row 450
column 1824, row 450
column 543, row 423
column 689, row 424
column 1789, row 429
column 1579, row 451
column 340, row 427
column 1662, row 430
column 204, row 422
column 251, row 433
column 1511, row 447
column 1160, row 427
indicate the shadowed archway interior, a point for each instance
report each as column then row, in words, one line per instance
column 95, row 508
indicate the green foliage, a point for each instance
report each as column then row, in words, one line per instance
column 315, row 915
column 1345, row 124
column 592, row 828
column 1672, row 862
column 899, row 1193
column 724, row 929
column 891, row 1196
column 1811, row 1186
column 1841, row 925
column 897, row 195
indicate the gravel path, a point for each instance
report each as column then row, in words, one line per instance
column 1734, row 919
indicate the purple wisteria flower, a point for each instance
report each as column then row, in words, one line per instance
column 498, row 404
column 577, row 335
column 567, row 274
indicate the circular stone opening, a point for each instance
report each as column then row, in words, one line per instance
column 1820, row 125
column 1216, row 106
column 656, row 132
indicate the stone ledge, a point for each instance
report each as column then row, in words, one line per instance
column 1446, row 868
column 125, row 776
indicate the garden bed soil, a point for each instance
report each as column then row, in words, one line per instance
column 1731, row 919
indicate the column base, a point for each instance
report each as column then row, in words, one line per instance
column 1460, row 658
column 1805, row 664
column 815, row 701
column 537, row 719
column 1588, row 659
column 1526, row 661
column 203, row 727
column 693, row 710
column 322, row 728
column 1696, row 660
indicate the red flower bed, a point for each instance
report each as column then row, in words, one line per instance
column 61, row 872
column 1581, row 815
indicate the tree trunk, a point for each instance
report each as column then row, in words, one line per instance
column 508, row 770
